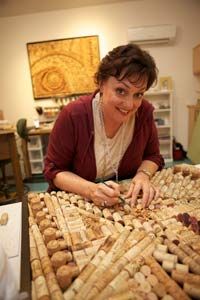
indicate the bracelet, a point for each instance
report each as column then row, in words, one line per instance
column 146, row 172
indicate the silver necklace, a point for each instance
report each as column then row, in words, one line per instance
column 106, row 146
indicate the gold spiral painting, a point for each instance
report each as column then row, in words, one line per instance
column 63, row 67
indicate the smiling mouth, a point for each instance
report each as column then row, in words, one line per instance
column 123, row 111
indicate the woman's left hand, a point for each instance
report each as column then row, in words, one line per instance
column 142, row 183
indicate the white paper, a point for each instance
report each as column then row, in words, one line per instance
column 10, row 234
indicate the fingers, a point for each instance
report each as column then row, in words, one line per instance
column 106, row 194
column 129, row 193
column 154, row 194
column 147, row 193
column 157, row 194
column 135, row 192
column 148, row 197
column 113, row 188
column 110, row 201
column 101, row 199
column 148, row 190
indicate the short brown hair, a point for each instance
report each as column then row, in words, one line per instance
column 126, row 61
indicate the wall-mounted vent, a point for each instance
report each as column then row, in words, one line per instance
column 152, row 34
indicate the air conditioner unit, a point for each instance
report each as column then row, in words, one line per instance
column 152, row 34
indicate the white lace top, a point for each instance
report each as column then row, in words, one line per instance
column 103, row 163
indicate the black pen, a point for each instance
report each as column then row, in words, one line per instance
column 120, row 197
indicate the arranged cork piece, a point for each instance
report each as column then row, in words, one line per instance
column 4, row 218
column 81, row 251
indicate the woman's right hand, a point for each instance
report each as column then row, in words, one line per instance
column 105, row 194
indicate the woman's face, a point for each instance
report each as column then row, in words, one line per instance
column 121, row 99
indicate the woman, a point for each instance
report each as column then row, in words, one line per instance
column 109, row 135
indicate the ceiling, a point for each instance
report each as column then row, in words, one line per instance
column 10, row 8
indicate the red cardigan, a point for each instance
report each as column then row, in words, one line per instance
column 71, row 142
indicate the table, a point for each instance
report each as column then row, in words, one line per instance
column 8, row 150
column 108, row 243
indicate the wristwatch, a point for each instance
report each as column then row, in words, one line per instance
column 146, row 172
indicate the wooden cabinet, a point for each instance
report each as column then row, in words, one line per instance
column 162, row 102
column 8, row 150
column 193, row 111
column 196, row 60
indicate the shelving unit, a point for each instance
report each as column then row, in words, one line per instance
column 196, row 60
column 36, row 156
column 162, row 102
column 193, row 112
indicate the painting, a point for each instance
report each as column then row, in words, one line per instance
column 63, row 67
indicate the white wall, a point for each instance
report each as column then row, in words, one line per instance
column 110, row 22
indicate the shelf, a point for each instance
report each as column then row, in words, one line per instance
column 164, row 142
column 51, row 112
column 162, row 110
column 36, row 160
column 33, row 148
column 163, row 126
column 165, row 155
column 36, row 167
column 34, row 142
column 36, row 154
column 36, row 171
column 168, row 160
column 157, row 93
column 162, row 102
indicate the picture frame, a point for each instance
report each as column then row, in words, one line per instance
column 63, row 67
column 165, row 83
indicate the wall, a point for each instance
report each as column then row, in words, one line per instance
column 110, row 22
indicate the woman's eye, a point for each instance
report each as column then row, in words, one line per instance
column 120, row 91
column 138, row 95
